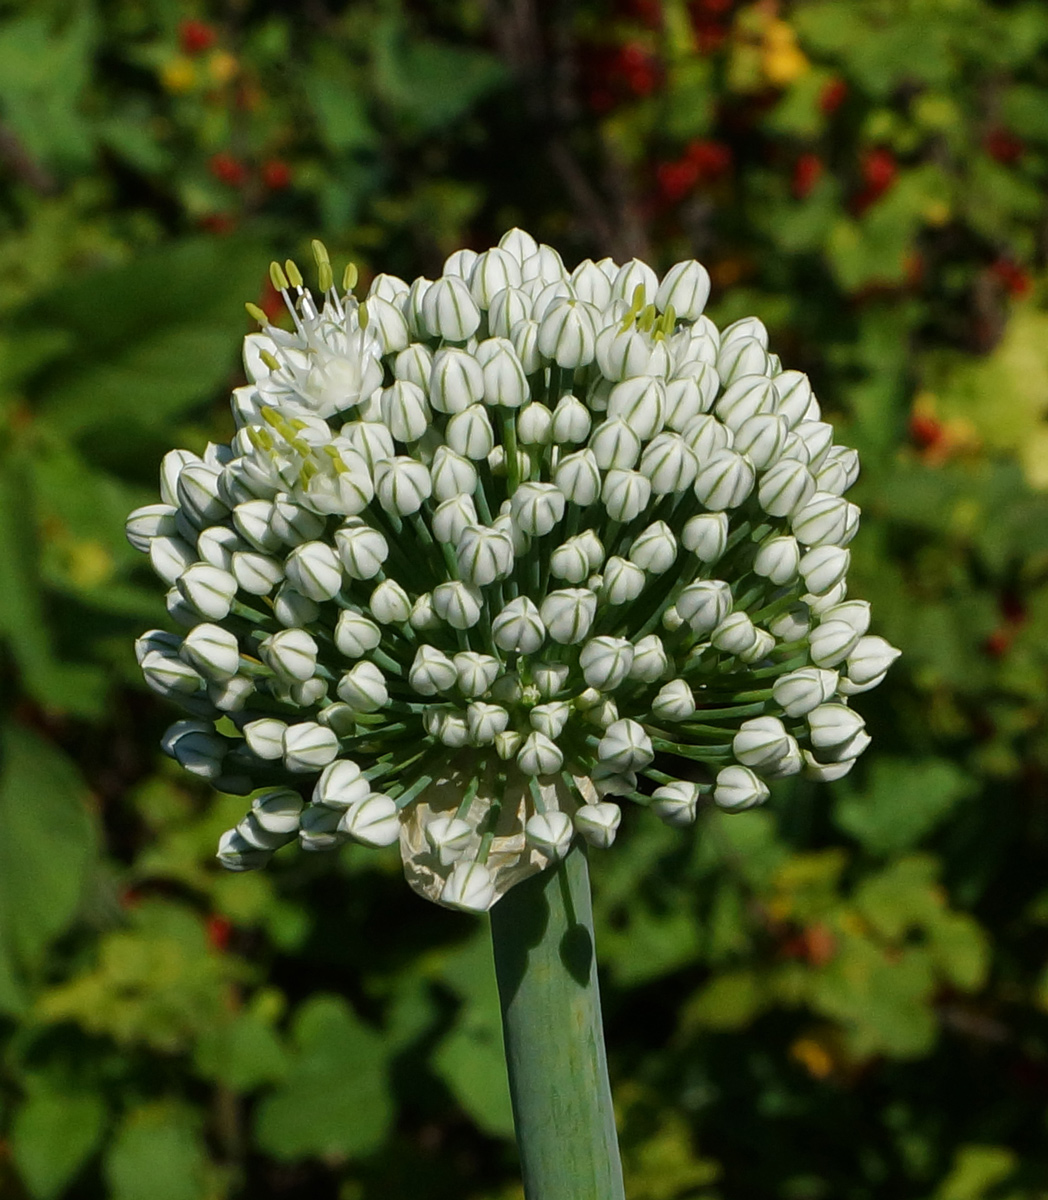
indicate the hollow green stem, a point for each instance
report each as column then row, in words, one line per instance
column 542, row 933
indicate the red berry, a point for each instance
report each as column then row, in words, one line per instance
column 711, row 158
column 996, row 645
column 926, row 430
column 227, row 169
column 218, row 223
column 676, row 179
column 833, row 96
column 196, row 36
column 807, row 171
column 1012, row 277
column 878, row 169
column 276, row 174
column 219, row 930
column 1003, row 145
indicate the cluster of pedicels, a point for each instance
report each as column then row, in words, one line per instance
column 492, row 552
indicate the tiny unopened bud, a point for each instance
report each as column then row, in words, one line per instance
column 309, row 746
column 578, row 477
column 539, row 755
column 470, row 887
column 778, row 559
column 341, row 785
column 738, row 788
column 705, row 604
column 867, row 665
column 676, row 803
column 598, row 823
column 568, row 614
column 374, row 822
column 363, row 688
column 448, row 310
column 212, row 650
column 706, row 536
column 291, row 654
column 606, row 662
column 571, row 421
column 389, row 603
column 799, row 692
column 519, row 626
column 724, row 480
column 458, row 603
column 314, row 570
column 265, row 737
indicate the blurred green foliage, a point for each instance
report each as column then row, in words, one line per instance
column 843, row 997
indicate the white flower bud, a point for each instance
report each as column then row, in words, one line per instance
column 537, row 507
column 308, row 693
column 746, row 398
column 761, row 439
column 830, row 642
column 650, row 661
column 212, row 650
column 196, row 747
column 371, row 440
column 470, row 887
column 606, row 662
column 485, row 722
column 685, row 400
column 543, row 263
column 508, row 308
column 838, row 471
column 625, row 494
column 855, row 612
column 568, row 614
column 388, row 287
column 778, row 559
column 476, row 672
column 567, row 333
column 825, row 772
column 469, row 433
column 278, row 811
column 704, row 435
column 535, row 425
column 208, row 589
column 706, row 536
column 625, row 746
column 355, row 635
column 735, row 634
column 519, row 244
column 507, row 744
column 452, row 474
column 257, row 574
column 591, row 284
column 452, row 517
column 550, row 833
column 823, row 521
column 402, row 484
column 460, row 263
column 170, row 557
column 449, row 311
column 799, row 692
column 623, row 581
column 148, row 522
column 763, row 644
column 265, row 737
column 632, row 275
column 837, row 732
column 791, row 625
column 669, row 464
column 386, row 323
column 550, row 677
column 405, row 410
column 578, row 477
column 432, row 671
column 231, row 695
column 504, row 380
column 676, row 803
column 823, row 568
column 550, row 718
column 309, row 746
column 704, row 605
column 654, row 549
column 761, row 743
column 375, row 822
column 341, row 785
column 389, row 603
column 738, row 788
column 457, row 603
column 786, row 488
column 674, row 702
column 314, row 570
column 818, row 438
column 571, row 421
column 290, row 654
column 292, row 523
column 724, row 480
column 171, row 466
column 484, row 554
column 795, row 396
column 641, row 403
column 456, row 381
column 614, row 443
column 362, row 549
column 448, row 838
column 741, row 358
column 598, row 823
column 159, row 641
column 318, row 829
column 685, row 287
column 867, row 665
column 291, row 608
column 363, row 688
column 519, row 627
column 235, row 853
column 493, row 272
column 525, row 338
column 539, row 756
column 622, row 354
column 415, row 365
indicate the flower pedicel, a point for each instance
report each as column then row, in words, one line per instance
column 491, row 553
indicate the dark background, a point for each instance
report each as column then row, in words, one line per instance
column 841, row 997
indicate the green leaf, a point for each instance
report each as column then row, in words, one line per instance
column 976, row 1170
column 729, row 1001
column 48, row 847
column 340, row 108
column 53, row 1136
column 470, row 1058
column 157, row 1155
column 335, row 1100
column 903, row 801
column 243, row 1054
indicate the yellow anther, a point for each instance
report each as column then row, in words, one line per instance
column 260, row 438
column 362, row 316
column 277, row 421
column 637, row 302
column 326, row 276
column 269, row 359
column 256, row 313
column 300, row 445
column 646, row 320
column 336, row 460
column 349, row 277
column 276, row 274
column 307, row 471
column 320, row 251
column 293, row 273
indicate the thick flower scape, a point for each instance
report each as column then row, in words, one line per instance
column 489, row 553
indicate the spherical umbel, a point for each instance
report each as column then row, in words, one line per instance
column 492, row 555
